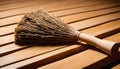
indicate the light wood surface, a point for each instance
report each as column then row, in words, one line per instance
column 100, row 18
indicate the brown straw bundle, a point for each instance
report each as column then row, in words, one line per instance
column 41, row 27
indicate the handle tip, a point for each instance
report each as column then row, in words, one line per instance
column 115, row 49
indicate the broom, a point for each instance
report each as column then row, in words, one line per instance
column 40, row 27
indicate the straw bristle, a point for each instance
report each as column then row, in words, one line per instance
column 41, row 27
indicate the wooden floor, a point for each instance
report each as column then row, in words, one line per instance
column 100, row 18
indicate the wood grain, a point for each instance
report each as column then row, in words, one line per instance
column 95, row 17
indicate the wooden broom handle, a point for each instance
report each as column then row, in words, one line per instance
column 108, row 47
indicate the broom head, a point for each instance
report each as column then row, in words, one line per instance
column 39, row 27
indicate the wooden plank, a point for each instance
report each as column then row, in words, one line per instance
column 50, row 6
column 47, row 57
column 10, row 48
column 66, row 11
column 116, row 37
column 10, row 21
column 7, row 29
column 85, row 58
column 6, row 39
column 77, row 17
